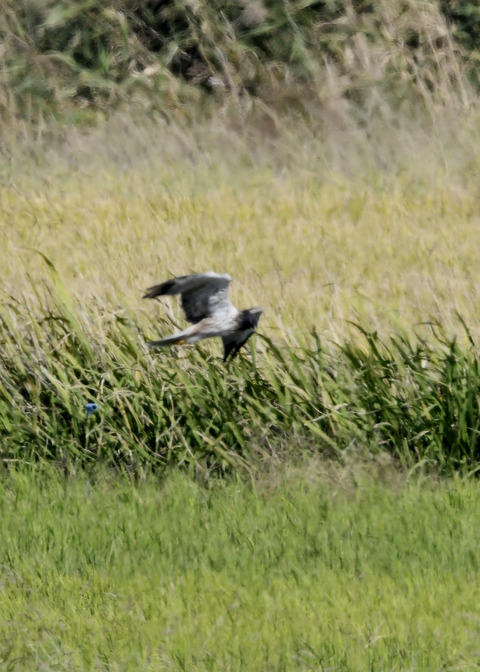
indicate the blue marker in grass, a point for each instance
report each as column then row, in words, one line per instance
column 91, row 408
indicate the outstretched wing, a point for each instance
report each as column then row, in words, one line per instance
column 203, row 294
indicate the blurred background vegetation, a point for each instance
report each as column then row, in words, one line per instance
column 72, row 60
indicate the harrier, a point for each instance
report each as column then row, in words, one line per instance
column 206, row 305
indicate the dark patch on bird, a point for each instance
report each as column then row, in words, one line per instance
column 246, row 324
column 248, row 320
column 160, row 290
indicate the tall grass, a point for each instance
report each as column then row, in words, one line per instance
column 415, row 398
column 324, row 60
column 322, row 240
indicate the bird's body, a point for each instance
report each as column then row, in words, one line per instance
column 207, row 306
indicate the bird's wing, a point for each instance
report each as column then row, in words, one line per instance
column 234, row 341
column 203, row 294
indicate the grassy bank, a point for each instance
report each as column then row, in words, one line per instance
column 319, row 568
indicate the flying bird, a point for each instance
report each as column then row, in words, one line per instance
column 206, row 305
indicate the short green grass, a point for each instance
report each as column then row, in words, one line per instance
column 317, row 568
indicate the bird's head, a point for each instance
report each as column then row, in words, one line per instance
column 250, row 317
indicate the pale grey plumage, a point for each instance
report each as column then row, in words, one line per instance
column 207, row 306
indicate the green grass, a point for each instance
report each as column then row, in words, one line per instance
column 321, row 568
column 416, row 398
column 354, row 222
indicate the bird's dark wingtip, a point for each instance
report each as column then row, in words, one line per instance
column 159, row 290
column 231, row 352
column 149, row 294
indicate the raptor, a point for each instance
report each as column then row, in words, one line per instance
column 206, row 305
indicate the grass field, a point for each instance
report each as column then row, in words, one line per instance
column 311, row 569
column 296, row 562
column 319, row 231
column 312, row 505
column 379, row 229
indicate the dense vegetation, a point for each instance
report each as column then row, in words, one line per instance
column 68, row 59
column 416, row 399
column 66, row 340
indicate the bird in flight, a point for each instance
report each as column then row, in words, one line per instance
column 206, row 305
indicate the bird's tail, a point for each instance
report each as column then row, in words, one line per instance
column 170, row 340
column 176, row 339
